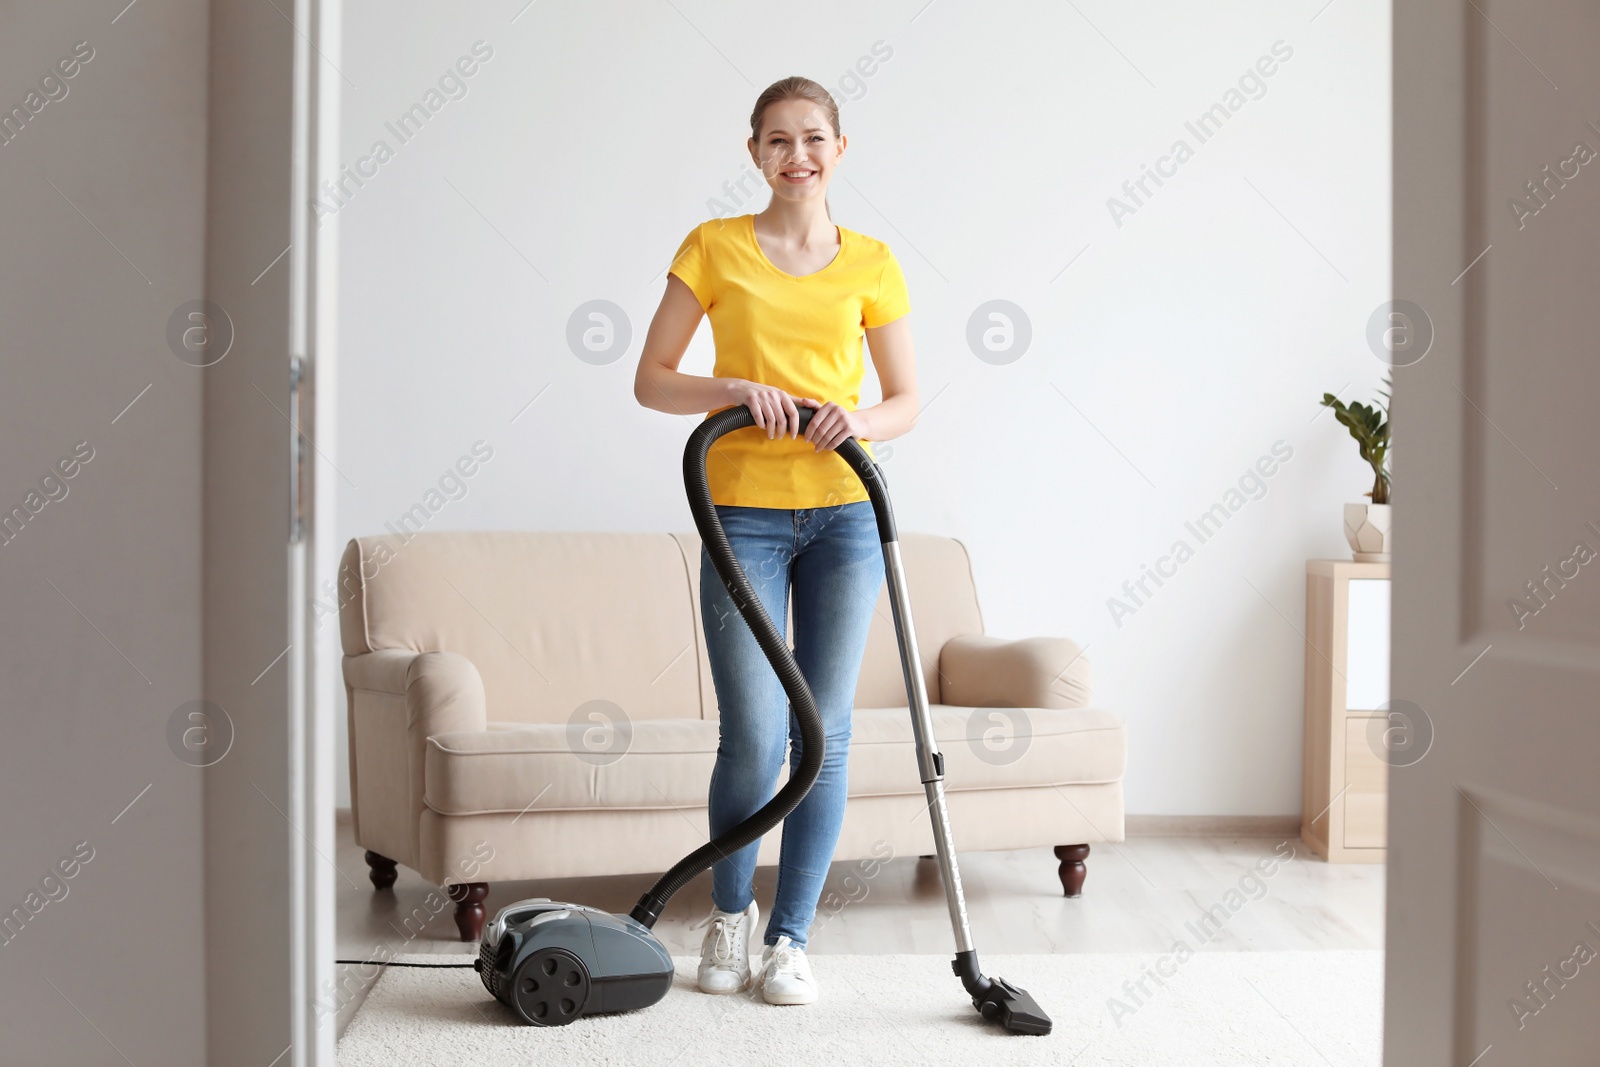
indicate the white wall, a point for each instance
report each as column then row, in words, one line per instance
column 102, row 239
column 1176, row 349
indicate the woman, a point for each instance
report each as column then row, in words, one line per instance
column 790, row 296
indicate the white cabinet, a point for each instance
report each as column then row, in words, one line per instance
column 1345, row 789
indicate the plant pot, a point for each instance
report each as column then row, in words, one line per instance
column 1367, row 528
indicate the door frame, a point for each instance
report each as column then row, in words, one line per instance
column 272, row 111
column 313, row 329
column 314, row 554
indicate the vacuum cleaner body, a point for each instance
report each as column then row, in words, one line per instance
column 551, row 961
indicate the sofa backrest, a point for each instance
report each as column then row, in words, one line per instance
column 554, row 619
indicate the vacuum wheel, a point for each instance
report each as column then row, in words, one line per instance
column 551, row 987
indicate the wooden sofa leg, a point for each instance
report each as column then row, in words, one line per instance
column 469, row 908
column 382, row 870
column 1072, row 871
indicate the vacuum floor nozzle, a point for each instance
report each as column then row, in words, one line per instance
column 1014, row 1007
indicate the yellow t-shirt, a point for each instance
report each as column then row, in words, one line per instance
column 801, row 334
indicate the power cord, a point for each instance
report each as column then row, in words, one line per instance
column 391, row 963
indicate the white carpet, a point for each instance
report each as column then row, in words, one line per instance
column 1313, row 1008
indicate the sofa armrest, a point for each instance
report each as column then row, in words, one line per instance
column 976, row 670
column 442, row 692
column 379, row 672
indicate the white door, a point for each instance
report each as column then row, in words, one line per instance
column 1494, row 833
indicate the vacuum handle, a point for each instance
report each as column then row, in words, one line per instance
column 740, row 416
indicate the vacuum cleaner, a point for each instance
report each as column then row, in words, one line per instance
column 553, row 962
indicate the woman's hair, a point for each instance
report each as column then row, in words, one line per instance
column 795, row 88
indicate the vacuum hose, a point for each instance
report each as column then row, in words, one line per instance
column 767, row 636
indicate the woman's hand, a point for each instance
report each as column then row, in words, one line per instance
column 832, row 424
column 774, row 409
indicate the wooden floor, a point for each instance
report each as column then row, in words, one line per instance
column 1141, row 896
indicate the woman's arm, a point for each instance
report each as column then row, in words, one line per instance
column 658, row 384
column 895, row 362
column 896, row 414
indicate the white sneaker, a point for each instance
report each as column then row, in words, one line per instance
column 785, row 976
column 724, row 954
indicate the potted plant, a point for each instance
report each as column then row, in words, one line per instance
column 1367, row 526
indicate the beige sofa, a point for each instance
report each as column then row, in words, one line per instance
column 529, row 705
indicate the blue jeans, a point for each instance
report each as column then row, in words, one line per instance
column 834, row 559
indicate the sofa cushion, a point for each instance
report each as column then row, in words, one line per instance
column 517, row 767
column 547, row 767
column 987, row 748
column 551, row 619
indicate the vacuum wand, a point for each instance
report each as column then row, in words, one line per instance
column 997, row 999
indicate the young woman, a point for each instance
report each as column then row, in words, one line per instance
column 790, row 296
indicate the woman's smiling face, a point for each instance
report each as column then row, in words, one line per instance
column 798, row 150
